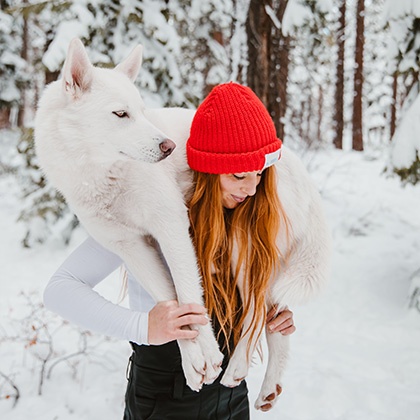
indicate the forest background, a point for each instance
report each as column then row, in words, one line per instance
column 339, row 78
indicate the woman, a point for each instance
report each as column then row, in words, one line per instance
column 236, row 217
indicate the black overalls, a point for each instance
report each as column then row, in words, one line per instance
column 157, row 390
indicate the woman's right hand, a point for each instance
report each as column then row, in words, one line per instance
column 168, row 321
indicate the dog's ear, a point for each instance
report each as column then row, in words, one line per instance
column 77, row 70
column 131, row 65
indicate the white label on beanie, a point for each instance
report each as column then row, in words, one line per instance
column 272, row 158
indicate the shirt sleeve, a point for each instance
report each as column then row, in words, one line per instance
column 70, row 294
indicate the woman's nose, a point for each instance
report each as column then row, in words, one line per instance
column 250, row 186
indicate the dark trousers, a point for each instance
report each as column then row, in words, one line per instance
column 157, row 390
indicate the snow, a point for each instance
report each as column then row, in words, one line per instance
column 406, row 141
column 397, row 9
column 355, row 354
column 57, row 51
column 295, row 15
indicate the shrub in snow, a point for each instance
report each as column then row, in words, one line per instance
column 403, row 20
column 410, row 174
column 414, row 292
column 44, row 211
column 36, row 343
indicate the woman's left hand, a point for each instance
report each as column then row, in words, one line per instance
column 281, row 322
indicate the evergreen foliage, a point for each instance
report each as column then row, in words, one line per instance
column 411, row 174
column 311, row 70
column 190, row 46
column 44, row 211
column 404, row 25
column 13, row 75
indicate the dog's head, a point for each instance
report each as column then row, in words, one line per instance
column 104, row 108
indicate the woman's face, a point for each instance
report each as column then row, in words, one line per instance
column 236, row 188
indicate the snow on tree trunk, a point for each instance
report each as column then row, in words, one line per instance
column 406, row 145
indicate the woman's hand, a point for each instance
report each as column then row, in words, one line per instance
column 281, row 322
column 168, row 321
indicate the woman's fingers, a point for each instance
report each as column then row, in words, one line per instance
column 271, row 314
column 288, row 331
column 281, row 322
column 189, row 308
column 186, row 334
column 169, row 321
column 189, row 319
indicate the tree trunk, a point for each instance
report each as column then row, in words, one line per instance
column 393, row 122
column 279, row 71
column 268, row 57
column 320, row 113
column 4, row 117
column 358, row 78
column 24, row 55
column 339, row 83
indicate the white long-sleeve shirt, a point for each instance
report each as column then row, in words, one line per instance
column 70, row 294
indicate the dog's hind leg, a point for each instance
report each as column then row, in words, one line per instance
column 278, row 350
column 241, row 359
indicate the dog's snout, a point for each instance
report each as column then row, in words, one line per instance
column 167, row 147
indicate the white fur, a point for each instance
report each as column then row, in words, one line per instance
column 109, row 171
column 301, row 279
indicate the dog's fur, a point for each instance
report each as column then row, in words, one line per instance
column 107, row 154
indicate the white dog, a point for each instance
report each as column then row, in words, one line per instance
column 96, row 146
column 106, row 153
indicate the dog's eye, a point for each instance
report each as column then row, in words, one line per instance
column 120, row 114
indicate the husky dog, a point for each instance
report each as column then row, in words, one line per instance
column 96, row 145
column 108, row 155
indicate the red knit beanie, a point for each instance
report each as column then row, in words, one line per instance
column 232, row 132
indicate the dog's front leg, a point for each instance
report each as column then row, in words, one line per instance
column 145, row 264
column 201, row 358
column 278, row 350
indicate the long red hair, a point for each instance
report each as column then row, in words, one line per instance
column 254, row 226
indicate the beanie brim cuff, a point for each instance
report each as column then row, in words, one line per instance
column 230, row 163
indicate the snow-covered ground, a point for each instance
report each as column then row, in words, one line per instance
column 356, row 352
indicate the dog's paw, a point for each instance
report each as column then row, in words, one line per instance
column 268, row 396
column 213, row 367
column 236, row 371
column 193, row 364
column 212, row 354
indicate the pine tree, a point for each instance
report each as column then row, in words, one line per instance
column 268, row 56
column 109, row 29
column 311, row 69
column 13, row 68
column 377, row 88
column 206, row 53
column 403, row 21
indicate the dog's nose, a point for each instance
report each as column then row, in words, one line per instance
column 167, row 147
